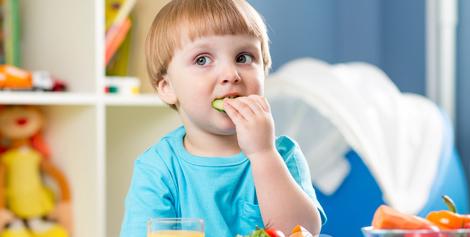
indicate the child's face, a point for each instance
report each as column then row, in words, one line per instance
column 213, row 67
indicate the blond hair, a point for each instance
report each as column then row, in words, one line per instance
column 205, row 17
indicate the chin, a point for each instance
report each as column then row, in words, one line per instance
column 225, row 128
column 229, row 132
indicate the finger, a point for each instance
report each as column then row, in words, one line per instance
column 233, row 113
column 254, row 103
column 264, row 103
column 241, row 106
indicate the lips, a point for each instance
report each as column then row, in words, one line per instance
column 230, row 96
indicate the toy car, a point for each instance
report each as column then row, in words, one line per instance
column 14, row 78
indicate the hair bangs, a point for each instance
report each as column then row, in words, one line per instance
column 217, row 18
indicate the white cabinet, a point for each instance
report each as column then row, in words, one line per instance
column 94, row 137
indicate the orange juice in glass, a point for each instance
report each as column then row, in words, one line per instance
column 175, row 227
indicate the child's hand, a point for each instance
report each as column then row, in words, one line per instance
column 253, row 123
column 6, row 217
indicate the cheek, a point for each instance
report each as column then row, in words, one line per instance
column 255, row 79
column 192, row 89
column 257, row 86
column 195, row 99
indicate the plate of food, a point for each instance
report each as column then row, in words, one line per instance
column 388, row 222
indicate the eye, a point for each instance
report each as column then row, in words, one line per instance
column 244, row 58
column 203, row 60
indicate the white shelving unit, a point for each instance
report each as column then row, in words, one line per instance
column 94, row 137
column 42, row 98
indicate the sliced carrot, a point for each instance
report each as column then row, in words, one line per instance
column 301, row 234
column 386, row 217
column 297, row 228
column 300, row 231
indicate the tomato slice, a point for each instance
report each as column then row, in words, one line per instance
column 274, row 233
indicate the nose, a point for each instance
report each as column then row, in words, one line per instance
column 230, row 74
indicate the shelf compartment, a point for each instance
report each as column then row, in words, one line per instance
column 70, row 134
column 142, row 14
column 129, row 132
column 61, row 42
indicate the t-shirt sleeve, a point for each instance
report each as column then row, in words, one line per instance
column 149, row 195
column 298, row 167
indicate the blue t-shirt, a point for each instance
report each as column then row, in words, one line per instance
column 170, row 182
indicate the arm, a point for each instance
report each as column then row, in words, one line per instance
column 63, row 211
column 255, row 133
column 272, row 177
column 58, row 177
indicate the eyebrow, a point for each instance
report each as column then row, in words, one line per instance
column 241, row 48
column 249, row 48
column 201, row 45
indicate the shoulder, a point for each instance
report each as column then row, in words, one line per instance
column 293, row 157
column 161, row 154
column 287, row 147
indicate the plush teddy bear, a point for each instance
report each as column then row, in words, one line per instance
column 28, row 208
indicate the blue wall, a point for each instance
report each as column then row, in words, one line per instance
column 299, row 30
column 463, row 84
column 404, row 44
column 358, row 31
column 389, row 34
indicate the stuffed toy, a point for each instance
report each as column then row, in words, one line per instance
column 28, row 208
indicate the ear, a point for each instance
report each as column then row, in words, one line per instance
column 165, row 91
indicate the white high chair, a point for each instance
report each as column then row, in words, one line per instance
column 366, row 143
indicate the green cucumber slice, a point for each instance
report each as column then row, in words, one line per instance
column 218, row 104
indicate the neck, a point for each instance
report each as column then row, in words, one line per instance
column 202, row 143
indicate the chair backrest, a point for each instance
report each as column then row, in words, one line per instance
column 335, row 119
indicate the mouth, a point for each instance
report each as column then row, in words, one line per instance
column 21, row 121
column 218, row 103
column 230, row 96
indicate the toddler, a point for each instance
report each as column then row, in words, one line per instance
column 225, row 167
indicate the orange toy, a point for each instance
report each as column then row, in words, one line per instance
column 24, row 197
column 15, row 78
